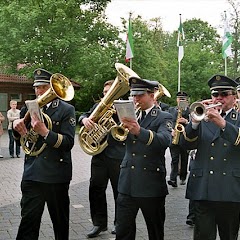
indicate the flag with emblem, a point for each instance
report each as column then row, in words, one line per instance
column 129, row 42
column 227, row 39
column 180, row 41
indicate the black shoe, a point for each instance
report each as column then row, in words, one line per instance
column 18, row 156
column 172, row 183
column 12, row 156
column 113, row 230
column 190, row 222
column 96, row 230
column 183, row 182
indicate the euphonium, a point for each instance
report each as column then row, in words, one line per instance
column 93, row 141
column 62, row 88
column 120, row 133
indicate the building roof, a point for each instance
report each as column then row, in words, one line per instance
column 5, row 78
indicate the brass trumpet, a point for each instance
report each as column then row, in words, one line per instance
column 198, row 110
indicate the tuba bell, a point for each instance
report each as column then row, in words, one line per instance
column 62, row 88
column 93, row 141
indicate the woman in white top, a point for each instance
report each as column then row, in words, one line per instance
column 13, row 114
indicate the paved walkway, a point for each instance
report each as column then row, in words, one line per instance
column 80, row 223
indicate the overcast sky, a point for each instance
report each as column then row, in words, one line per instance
column 169, row 10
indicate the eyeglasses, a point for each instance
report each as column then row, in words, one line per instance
column 221, row 94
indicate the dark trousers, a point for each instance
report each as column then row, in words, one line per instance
column 178, row 154
column 11, row 143
column 34, row 197
column 191, row 211
column 210, row 216
column 103, row 169
column 153, row 210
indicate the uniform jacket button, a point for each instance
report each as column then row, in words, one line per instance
column 132, row 167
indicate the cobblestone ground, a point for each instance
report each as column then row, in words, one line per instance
column 80, row 223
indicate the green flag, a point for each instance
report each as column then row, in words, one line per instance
column 180, row 40
column 227, row 40
column 129, row 47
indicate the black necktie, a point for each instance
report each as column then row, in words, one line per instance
column 142, row 116
column 223, row 114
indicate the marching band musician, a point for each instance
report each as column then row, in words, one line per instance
column 46, row 177
column 178, row 153
column 214, row 181
column 237, row 104
column 142, row 181
column 105, row 166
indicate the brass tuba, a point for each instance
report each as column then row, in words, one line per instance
column 120, row 133
column 93, row 141
column 62, row 88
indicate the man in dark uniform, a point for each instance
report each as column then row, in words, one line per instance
column 47, row 175
column 180, row 115
column 214, row 175
column 105, row 166
column 142, row 181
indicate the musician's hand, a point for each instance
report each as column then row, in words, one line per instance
column 39, row 126
column 215, row 117
column 132, row 125
column 183, row 120
column 173, row 133
column 19, row 126
column 88, row 123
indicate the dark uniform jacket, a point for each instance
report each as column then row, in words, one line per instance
column 54, row 164
column 215, row 172
column 115, row 149
column 143, row 169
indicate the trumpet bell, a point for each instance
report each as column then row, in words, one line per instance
column 197, row 111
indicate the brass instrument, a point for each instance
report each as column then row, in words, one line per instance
column 93, row 141
column 120, row 133
column 62, row 88
column 198, row 110
column 179, row 128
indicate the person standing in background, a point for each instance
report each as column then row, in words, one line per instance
column 179, row 155
column 2, row 118
column 12, row 114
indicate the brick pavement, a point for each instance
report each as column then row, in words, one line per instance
column 80, row 224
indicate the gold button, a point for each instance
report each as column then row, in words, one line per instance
column 211, row 172
column 144, row 168
column 133, row 154
column 158, row 169
column 211, row 158
column 224, row 174
column 194, row 175
column 212, row 144
column 225, row 144
column 144, row 155
column 132, row 167
column 61, row 160
column 134, row 141
column 124, row 144
column 224, row 159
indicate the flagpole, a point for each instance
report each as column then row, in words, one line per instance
column 225, row 66
column 129, row 43
column 179, row 76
